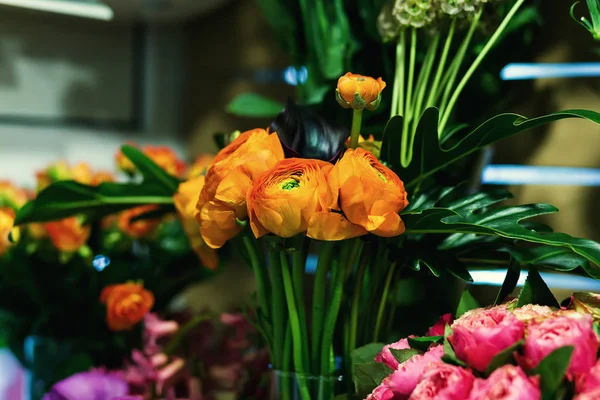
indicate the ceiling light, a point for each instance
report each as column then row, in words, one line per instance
column 86, row 9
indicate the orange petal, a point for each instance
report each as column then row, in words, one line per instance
column 388, row 225
column 218, row 224
column 332, row 226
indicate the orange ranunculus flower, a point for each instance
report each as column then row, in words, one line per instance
column 7, row 218
column 126, row 304
column 82, row 173
column 101, row 177
column 166, row 158
column 358, row 91
column 68, row 234
column 11, row 196
column 137, row 229
column 200, row 165
column 223, row 198
column 370, row 194
column 185, row 201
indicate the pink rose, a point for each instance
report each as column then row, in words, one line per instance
column 591, row 395
column 478, row 335
column 589, row 381
column 444, row 382
column 564, row 329
column 386, row 357
column 532, row 311
column 381, row 392
column 438, row 328
column 506, row 383
column 404, row 380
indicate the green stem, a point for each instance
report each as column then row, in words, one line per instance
column 433, row 94
column 400, row 69
column 278, row 311
column 318, row 304
column 298, row 351
column 298, row 270
column 286, row 386
column 356, row 125
column 358, row 287
column 397, row 93
column 383, row 302
column 486, row 49
column 407, row 106
column 260, row 274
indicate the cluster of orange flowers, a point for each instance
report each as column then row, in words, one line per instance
column 250, row 180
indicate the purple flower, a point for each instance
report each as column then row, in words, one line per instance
column 88, row 386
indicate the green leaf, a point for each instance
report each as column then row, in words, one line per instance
column 511, row 279
column 555, row 258
column 391, row 144
column 67, row 198
column 152, row 173
column 503, row 222
column 366, row 353
column 155, row 214
column 423, row 343
column 429, row 156
column 449, row 355
column 504, row 357
column 367, row 376
column 535, row 291
column 467, row 303
column 254, row 105
column 403, row 355
column 552, row 370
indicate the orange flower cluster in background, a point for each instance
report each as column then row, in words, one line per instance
column 11, row 199
column 80, row 172
column 139, row 228
column 126, row 304
column 163, row 156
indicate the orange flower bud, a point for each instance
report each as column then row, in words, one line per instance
column 165, row 158
column 358, row 91
column 185, row 201
column 223, row 198
column 201, row 165
column 283, row 200
column 7, row 218
column 137, row 229
column 68, row 234
column 11, row 196
column 126, row 304
column 370, row 194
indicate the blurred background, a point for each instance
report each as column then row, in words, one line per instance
column 80, row 77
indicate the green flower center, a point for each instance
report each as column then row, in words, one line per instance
column 290, row 184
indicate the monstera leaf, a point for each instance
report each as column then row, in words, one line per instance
column 430, row 156
column 67, row 198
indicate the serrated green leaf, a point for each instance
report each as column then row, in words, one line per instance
column 552, row 370
column 504, row 357
column 535, row 291
column 366, row 353
column 367, row 376
column 423, row 343
column 254, row 105
column 513, row 272
column 403, row 355
column 152, row 173
column 429, row 156
column 467, row 303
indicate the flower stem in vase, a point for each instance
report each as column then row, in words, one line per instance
column 382, row 303
column 298, row 270
column 260, row 273
column 286, row 365
column 398, row 90
column 407, row 113
column 318, row 304
column 278, row 311
column 356, row 125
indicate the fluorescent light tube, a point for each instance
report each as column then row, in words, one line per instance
column 86, row 9
column 514, row 72
column 539, row 175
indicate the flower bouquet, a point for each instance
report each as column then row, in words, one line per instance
column 370, row 214
column 526, row 349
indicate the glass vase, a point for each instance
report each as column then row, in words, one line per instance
column 295, row 386
column 43, row 359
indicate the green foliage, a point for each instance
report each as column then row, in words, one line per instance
column 366, row 353
column 403, row 355
column 423, row 343
column 367, row 376
column 506, row 356
column 552, row 370
column 449, row 355
column 510, row 281
column 535, row 291
column 467, row 303
column 254, row 105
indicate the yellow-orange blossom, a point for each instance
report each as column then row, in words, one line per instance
column 126, row 304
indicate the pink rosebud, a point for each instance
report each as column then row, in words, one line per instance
column 564, row 329
column 404, row 380
column 439, row 327
column 444, row 382
column 532, row 311
column 591, row 395
column 381, row 392
column 589, row 381
column 478, row 335
column 386, row 357
column 506, row 383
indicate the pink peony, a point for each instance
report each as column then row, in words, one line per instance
column 589, row 381
column 506, row 383
column 444, row 382
column 381, row 392
column 531, row 312
column 478, row 335
column 591, row 395
column 438, row 328
column 386, row 357
column 564, row 329
column 404, row 380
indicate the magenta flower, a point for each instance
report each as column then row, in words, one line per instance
column 438, row 328
column 591, row 395
column 88, row 386
column 444, row 382
column 386, row 357
column 506, row 383
column 403, row 381
column 589, row 381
